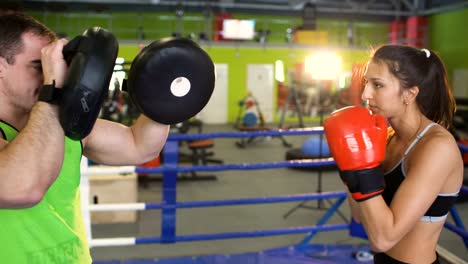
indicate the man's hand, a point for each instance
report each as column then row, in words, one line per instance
column 54, row 66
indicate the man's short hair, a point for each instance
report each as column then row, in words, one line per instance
column 12, row 28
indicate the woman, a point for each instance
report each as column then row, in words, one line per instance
column 423, row 166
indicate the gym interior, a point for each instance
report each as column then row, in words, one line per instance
column 254, row 179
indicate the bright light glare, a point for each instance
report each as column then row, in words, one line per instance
column 344, row 79
column 119, row 60
column 118, row 76
column 323, row 65
column 279, row 71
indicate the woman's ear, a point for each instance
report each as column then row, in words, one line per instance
column 409, row 95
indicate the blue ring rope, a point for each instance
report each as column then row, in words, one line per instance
column 463, row 148
column 457, row 230
column 464, row 189
column 244, row 201
column 244, row 134
column 171, row 169
column 259, row 233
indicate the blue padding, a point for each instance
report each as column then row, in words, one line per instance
column 169, row 195
column 311, row 147
column 357, row 230
column 250, row 119
column 318, row 254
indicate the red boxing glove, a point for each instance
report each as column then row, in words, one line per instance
column 357, row 141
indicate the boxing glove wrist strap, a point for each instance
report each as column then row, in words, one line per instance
column 364, row 184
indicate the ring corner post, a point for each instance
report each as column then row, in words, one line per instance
column 169, row 193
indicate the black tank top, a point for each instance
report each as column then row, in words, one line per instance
column 440, row 207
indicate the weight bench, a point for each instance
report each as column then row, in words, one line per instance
column 200, row 155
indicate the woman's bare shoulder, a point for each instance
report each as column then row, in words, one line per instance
column 437, row 146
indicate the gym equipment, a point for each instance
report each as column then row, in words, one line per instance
column 249, row 114
column 315, row 146
column 459, row 130
column 91, row 59
column 202, row 156
column 292, row 98
column 250, row 118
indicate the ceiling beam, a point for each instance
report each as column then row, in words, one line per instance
column 445, row 8
column 408, row 5
column 369, row 9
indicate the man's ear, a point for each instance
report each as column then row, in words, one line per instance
column 3, row 66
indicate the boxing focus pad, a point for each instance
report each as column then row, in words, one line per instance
column 171, row 80
column 357, row 141
column 91, row 60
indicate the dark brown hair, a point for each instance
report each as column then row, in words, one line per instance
column 424, row 69
column 12, row 27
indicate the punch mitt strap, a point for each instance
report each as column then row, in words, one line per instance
column 171, row 80
column 50, row 94
column 91, row 59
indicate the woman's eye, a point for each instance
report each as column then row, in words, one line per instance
column 378, row 85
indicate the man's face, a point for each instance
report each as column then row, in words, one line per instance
column 23, row 79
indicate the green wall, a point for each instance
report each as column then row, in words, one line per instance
column 239, row 57
column 445, row 37
column 129, row 25
column 449, row 37
column 126, row 25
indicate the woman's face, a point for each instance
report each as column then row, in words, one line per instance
column 382, row 91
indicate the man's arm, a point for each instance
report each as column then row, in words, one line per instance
column 110, row 143
column 32, row 161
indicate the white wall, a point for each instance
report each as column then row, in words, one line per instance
column 215, row 112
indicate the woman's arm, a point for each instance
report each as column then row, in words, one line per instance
column 353, row 206
column 427, row 171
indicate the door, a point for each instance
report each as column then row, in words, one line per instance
column 260, row 79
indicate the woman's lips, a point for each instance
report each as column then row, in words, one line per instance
column 373, row 108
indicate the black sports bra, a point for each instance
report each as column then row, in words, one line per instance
column 440, row 207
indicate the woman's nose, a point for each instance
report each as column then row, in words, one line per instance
column 366, row 93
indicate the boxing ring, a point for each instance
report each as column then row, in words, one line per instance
column 303, row 252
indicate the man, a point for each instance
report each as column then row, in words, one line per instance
column 40, row 215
